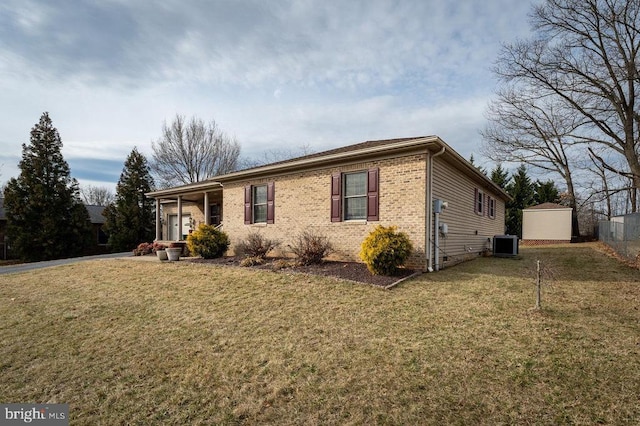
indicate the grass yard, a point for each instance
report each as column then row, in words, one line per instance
column 129, row 342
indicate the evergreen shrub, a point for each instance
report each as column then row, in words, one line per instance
column 385, row 249
column 208, row 242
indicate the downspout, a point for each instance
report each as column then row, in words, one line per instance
column 429, row 201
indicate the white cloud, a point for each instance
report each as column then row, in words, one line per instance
column 282, row 73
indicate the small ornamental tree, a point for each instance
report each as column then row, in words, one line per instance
column 385, row 249
column 130, row 219
column 45, row 217
column 208, row 242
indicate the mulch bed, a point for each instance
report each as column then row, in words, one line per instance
column 345, row 270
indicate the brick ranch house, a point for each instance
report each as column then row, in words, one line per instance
column 344, row 194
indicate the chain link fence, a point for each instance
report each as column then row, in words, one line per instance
column 622, row 233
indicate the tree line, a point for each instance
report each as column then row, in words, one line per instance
column 568, row 101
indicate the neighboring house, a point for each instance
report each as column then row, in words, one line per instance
column 97, row 221
column 95, row 215
column 344, row 194
column 546, row 223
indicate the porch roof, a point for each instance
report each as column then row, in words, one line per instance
column 189, row 192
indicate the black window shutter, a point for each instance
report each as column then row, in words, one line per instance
column 247, row 205
column 336, row 197
column 271, row 193
column 373, row 199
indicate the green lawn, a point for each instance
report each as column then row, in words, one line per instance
column 131, row 342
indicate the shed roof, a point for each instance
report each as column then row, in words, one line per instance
column 548, row 206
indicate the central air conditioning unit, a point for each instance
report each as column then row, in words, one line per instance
column 505, row 245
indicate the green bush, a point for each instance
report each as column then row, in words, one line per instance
column 384, row 250
column 208, row 242
column 255, row 245
column 311, row 248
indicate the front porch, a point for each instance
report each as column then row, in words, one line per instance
column 181, row 210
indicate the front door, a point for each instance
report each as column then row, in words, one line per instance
column 173, row 227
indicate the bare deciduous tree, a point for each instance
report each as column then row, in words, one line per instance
column 535, row 130
column 192, row 151
column 96, row 195
column 586, row 53
column 278, row 154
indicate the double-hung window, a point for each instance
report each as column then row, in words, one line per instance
column 492, row 208
column 479, row 207
column 259, row 203
column 354, row 196
column 259, row 206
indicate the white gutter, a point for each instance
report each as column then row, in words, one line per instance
column 429, row 206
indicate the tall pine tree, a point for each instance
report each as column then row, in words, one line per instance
column 130, row 219
column 522, row 191
column 546, row 192
column 45, row 217
column 500, row 176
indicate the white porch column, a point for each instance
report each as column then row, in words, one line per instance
column 158, row 220
column 207, row 209
column 179, row 234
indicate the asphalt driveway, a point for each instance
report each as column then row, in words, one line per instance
column 22, row 267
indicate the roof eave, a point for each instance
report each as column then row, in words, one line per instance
column 409, row 145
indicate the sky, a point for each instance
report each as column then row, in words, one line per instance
column 276, row 75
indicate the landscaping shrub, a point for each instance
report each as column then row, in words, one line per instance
column 311, row 248
column 255, row 245
column 142, row 249
column 208, row 242
column 158, row 246
column 385, row 249
column 252, row 261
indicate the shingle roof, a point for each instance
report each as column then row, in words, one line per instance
column 343, row 149
column 547, row 206
column 95, row 214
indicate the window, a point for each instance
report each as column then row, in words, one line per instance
column 479, row 202
column 259, row 203
column 354, row 196
column 214, row 214
column 492, row 208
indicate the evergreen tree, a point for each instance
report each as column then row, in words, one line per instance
column 546, row 192
column 522, row 191
column 500, row 176
column 472, row 160
column 45, row 217
column 130, row 219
